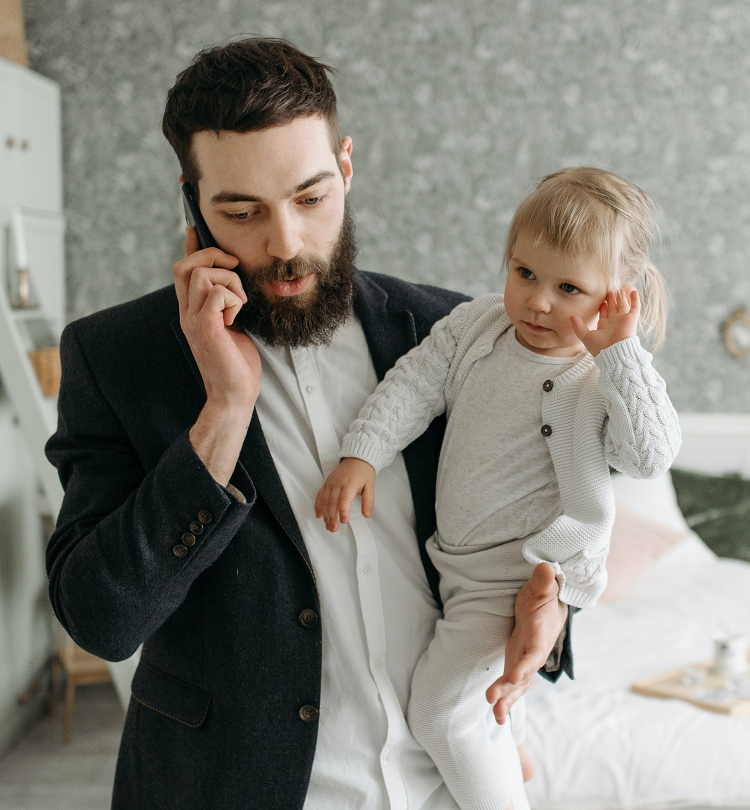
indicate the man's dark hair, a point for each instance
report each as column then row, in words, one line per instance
column 246, row 86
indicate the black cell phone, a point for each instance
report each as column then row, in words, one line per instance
column 195, row 218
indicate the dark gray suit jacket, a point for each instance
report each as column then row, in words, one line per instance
column 150, row 550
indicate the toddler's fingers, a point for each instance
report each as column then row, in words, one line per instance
column 635, row 300
column 368, row 499
column 579, row 327
column 321, row 501
column 348, row 494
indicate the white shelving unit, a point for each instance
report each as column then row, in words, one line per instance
column 31, row 188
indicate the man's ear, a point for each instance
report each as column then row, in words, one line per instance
column 181, row 179
column 345, row 158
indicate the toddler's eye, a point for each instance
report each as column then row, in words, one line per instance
column 568, row 288
column 525, row 272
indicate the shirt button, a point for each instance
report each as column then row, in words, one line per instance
column 196, row 528
column 308, row 618
column 310, row 389
column 179, row 551
column 548, row 385
column 378, row 664
column 309, row 714
column 391, row 756
column 188, row 539
column 205, row 516
column 368, row 568
column 546, row 431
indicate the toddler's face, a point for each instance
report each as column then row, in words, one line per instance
column 544, row 288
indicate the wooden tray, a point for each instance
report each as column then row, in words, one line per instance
column 670, row 685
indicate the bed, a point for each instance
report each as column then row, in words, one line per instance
column 599, row 746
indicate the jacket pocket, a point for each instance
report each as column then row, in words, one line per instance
column 174, row 698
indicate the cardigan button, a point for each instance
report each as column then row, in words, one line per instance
column 548, row 385
column 546, row 431
column 308, row 714
column 179, row 551
column 308, row 618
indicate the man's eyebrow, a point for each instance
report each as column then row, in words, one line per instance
column 235, row 196
column 313, row 181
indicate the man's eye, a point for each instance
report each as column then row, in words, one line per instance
column 243, row 215
column 568, row 288
column 311, row 202
column 525, row 272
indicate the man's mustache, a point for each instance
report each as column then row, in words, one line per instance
column 286, row 271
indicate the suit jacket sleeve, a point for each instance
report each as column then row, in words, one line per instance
column 114, row 576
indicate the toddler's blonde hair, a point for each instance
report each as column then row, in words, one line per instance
column 585, row 211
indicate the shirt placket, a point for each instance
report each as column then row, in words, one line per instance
column 368, row 580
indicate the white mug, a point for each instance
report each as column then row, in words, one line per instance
column 730, row 655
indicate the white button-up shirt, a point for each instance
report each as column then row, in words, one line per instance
column 377, row 610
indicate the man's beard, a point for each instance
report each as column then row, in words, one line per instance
column 308, row 319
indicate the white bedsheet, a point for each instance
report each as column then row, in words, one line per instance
column 598, row 745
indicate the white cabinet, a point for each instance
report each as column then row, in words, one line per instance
column 30, row 149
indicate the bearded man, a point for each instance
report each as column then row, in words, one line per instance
column 196, row 425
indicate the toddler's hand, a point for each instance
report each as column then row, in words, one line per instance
column 351, row 478
column 618, row 320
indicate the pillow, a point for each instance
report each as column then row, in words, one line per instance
column 636, row 544
column 653, row 498
column 717, row 509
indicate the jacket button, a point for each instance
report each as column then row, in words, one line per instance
column 548, row 385
column 188, row 539
column 546, row 430
column 205, row 516
column 309, row 714
column 308, row 618
column 179, row 551
column 196, row 528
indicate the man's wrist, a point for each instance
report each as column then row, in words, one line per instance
column 217, row 437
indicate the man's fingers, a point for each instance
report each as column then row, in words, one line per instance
column 368, row 499
column 192, row 245
column 219, row 300
column 204, row 280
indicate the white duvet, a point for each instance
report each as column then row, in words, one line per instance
column 598, row 745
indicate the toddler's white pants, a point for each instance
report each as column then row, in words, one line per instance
column 448, row 713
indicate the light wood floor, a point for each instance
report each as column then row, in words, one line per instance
column 40, row 773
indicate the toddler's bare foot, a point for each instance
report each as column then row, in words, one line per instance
column 527, row 763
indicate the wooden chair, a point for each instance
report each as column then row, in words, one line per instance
column 81, row 668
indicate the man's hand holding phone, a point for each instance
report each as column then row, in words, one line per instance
column 210, row 296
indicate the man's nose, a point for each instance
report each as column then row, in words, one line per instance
column 284, row 239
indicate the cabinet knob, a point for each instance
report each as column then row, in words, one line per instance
column 25, row 145
column 10, row 142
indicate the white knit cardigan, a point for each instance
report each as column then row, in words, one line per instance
column 612, row 409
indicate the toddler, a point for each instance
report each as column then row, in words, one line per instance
column 543, row 387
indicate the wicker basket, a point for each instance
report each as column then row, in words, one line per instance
column 46, row 364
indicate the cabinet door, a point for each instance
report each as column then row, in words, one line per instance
column 38, row 173
column 8, row 138
column 45, row 242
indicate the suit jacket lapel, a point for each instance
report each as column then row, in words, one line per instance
column 389, row 334
column 255, row 463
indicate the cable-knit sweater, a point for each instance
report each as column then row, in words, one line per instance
column 609, row 410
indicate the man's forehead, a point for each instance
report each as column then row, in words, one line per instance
column 268, row 163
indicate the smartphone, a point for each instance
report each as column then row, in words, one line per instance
column 195, row 218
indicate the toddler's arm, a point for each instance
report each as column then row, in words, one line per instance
column 411, row 395
column 351, row 478
column 642, row 434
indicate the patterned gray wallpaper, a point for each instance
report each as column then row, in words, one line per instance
column 455, row 108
